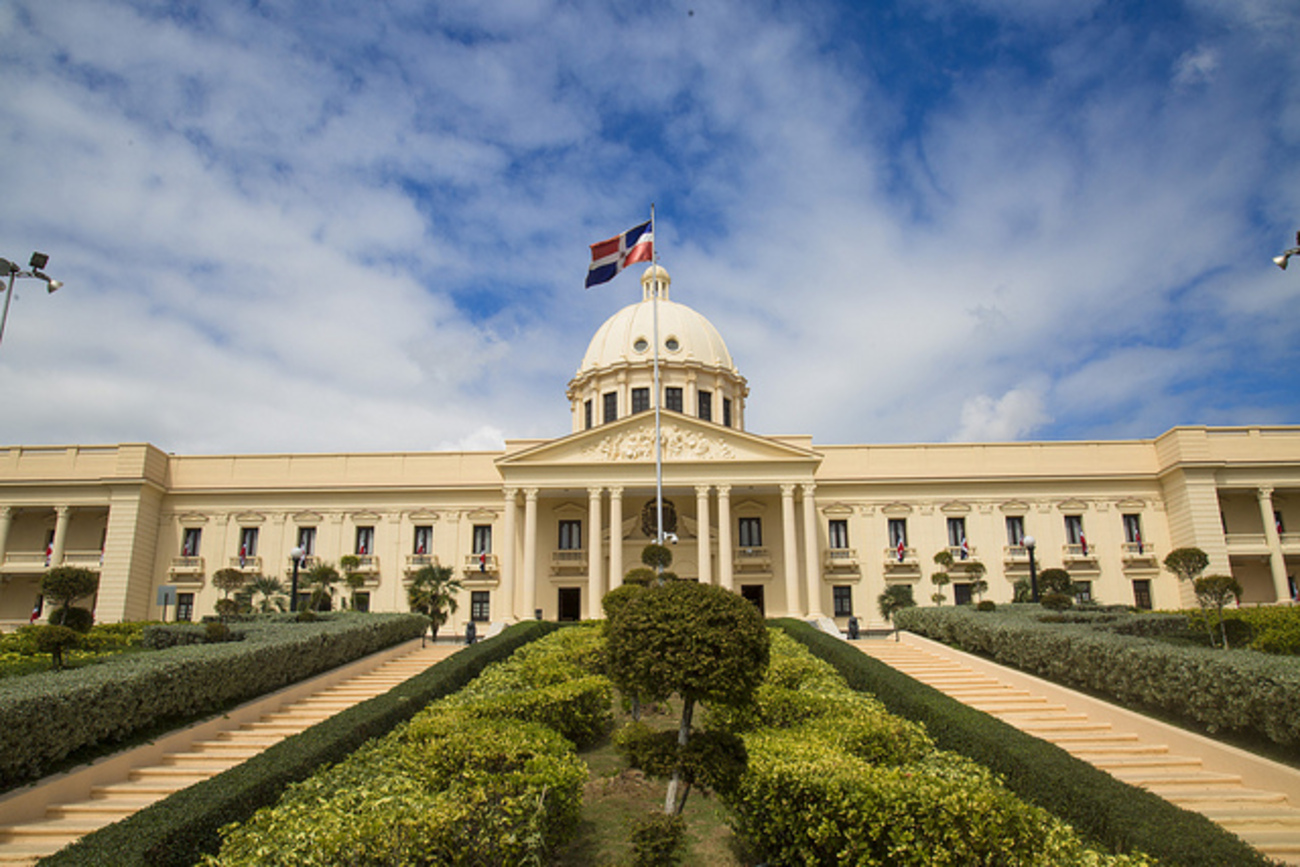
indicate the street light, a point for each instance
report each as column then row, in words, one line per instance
column 38, row 261
column 1029, row 542
column 296, row 555
column 1280, row 261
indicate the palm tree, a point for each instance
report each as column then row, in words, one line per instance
column 355, row 580
column 321, row 578
column 271, row 591
column 433, row 593
column 895, row 598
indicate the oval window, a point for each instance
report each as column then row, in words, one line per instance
column 672, row 344
column 641, row 344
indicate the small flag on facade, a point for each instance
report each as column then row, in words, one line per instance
column 902, row 549
column 1138, row 539
column 1083, row 543
column 49, row 552
column 965, row 549
column 482, row 562
column 36, row 611
column 637, row 244
column 243, row 556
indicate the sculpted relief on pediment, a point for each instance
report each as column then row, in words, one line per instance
column 678, row 444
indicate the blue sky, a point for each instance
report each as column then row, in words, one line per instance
column 293, row 226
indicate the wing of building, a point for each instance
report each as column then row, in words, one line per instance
column 546, row 527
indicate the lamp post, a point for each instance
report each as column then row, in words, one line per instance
column 1029, row 543
column 38, row 261
column 1281, row 260
column 296, row 555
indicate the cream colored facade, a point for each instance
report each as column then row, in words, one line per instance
column 549, row 526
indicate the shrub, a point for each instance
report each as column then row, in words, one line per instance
column 986, row 605
column 1055, row 581
column 1056, row 601
column 54, row 640
column 658, row 840
column 77, row 619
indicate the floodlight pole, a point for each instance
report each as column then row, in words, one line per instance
column 6, row 267
column 1281, row 260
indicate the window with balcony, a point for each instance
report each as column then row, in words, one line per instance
column 838, row 534
column 247, row 543
column 190, row 541
column 610, row 399
column 1015, row 530
column 480, row 606
column 423, row 540
column 307, row 540
column 640, row 400
column 570, row 535
column 726, row 412
column 673, row 399
column 750, row 532
column 482, row 540
column 1133, row 533
column 705, row 405
column 897, row 532
column 365, row 541
column 843, row 598
column 1074, row 529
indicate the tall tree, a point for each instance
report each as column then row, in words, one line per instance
column 434, row 593
column 1216, row 591
column 64, row 585
column 895, row 598
column 1188, row 564
column 321, row 578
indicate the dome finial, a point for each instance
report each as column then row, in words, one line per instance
column 655, row 279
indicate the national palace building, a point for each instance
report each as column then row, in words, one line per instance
column 546, row 527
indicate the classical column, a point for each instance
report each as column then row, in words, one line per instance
column 615, row 538
column 724, row 537
column 595, row 556
column 702, row 516
column 508, row 593
column 1276, row 561
column 6, row 518
column 791, row 546
column 811, row 552
column 530, row 552
column 62, row 514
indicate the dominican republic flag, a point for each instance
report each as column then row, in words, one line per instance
column 49, row 552
column 637, row 244
column 243, row 556
column 965, row 549
column 902, row 549
column 1083, row 544
column 1137, row 537
column 419, row 549
column 36, row 612
column 482, row 562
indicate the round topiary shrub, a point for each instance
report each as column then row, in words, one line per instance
column 216, row 632
column 306, row 616
column 1056, row 601
column 986, row 605
column 77, row 619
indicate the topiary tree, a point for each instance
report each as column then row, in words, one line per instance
column 228, row 581
column 1216, row 591
column 895, row 598
column 940, row 580
column 64, row 585
column 1056, row 581
column 1188, row 564
column 641, row 576
column 356, row 580
column 697, row 641
column 54, row 640
column 433, row 593
column 944, row 560
column 978, row 585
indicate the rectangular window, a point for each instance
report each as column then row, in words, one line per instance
column 726, row 412
column 611, row 406
column 897, row 532
column 247, row 543
column 570, row 535
column 479, row 606
column 956, row 532
column 1142, row 594
column 365, row 541
column 184, row 606
column 750, row 532
column 1133, row 529
column 361, row 600
column 190, row 542
column 843, row 596
column 1015, row 530
column 307, row 540
column 423, row 540
column 640, row 400
column 1074, row 529
column 482, row 539
column 705, row 401
column 1083, row 591
column 838, row 535
column 587, row 413
column 673, row 399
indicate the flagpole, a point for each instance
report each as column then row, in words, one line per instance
column 659, row 457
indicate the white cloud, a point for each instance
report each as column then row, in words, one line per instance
column 1015, row 415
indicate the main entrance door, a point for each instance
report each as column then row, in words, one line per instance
column 754, row 593
column 570, row 603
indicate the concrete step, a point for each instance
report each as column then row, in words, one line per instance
column 1195, row 797
column 1262, row 818
column 1139, row 762
column 1155, row 780
column 1089, row 750
column 67, row 826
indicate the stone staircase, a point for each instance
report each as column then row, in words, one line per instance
column 1233, row 794
column 195, row 759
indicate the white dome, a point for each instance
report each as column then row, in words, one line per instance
column 684, row 334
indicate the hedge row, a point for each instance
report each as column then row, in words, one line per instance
column 1218, row 690
column 178, row 830
column 45, row 717
column 474, row 779
column 1113, row 815
column 834, row 778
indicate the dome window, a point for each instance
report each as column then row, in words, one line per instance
column 641, row 344
column 672, row 344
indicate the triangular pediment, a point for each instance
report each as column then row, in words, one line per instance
column 685, row 440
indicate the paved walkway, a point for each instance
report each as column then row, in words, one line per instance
column 1249, row 796
column 43, row 818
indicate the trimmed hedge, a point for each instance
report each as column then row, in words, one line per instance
column 178, row 830
column 45, row 717
column 1215, row 689
column 1114, row 815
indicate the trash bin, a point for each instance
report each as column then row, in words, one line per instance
column 854, row 634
